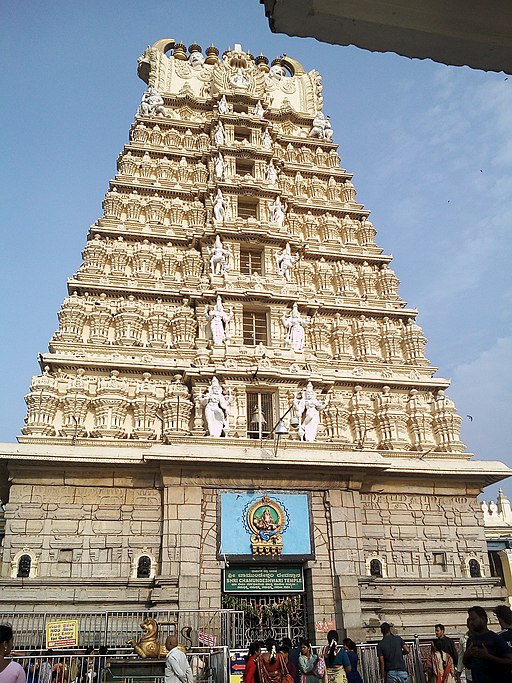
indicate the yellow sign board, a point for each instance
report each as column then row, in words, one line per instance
column 61, row 634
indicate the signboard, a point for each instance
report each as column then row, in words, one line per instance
column 236, row 665
column 265, row 525
column 61, row 634
column 263, row 580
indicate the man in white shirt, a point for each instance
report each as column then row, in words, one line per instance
column 177, row 668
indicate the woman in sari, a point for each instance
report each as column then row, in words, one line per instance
column 271, row 664
column 442, row 665
column 307, row 663
column 251, row 663
column 337, row 663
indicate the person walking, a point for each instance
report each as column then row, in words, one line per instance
column 10, row 672
column 487, row 654
column 391, row 650
column 308, row 663
column 271, row 664
column 177, row 668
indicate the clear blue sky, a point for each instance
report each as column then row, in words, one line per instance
column 430, row 147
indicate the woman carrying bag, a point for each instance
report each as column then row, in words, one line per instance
column 337, row 663
column 311, row 667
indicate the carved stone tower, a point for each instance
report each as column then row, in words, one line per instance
column 235, row 333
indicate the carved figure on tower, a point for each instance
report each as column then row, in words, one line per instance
column 285, row 261
column 219, row 257
column 258, row 110
column 219, row 321
column 308, row 409
column 220, row 206
column 216, row 409
column 321, row 128
column 223, row 106
column 266, row 140
column 220, row 166
column 272, row 173
column 152, row 103
column 295, row 324
column 278, row 210
column 220, row 134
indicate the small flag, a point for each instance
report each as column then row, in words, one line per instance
column 207, row 638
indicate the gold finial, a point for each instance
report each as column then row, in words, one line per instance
column 180, row 52
column 212, row 55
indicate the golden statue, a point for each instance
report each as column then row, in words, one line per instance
column 149, row 645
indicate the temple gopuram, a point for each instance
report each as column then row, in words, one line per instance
column 236, row 411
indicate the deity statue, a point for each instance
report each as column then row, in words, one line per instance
column 265, row 524
column 272, row 173
column 266, row 140
column 258, row 110
column 321, row 128
column 277, row 212
column 152, row 103
column 219, row 321
column 223, row 106
column 219, row 257
column 220, row 166
column 220, row 134
column 238, row 79
column 295, row 325
column 309, row 407
column 277, row 72
column 216, row 409
column 219, row 206
column 285, row 261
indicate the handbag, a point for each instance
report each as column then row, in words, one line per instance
column 319, row 667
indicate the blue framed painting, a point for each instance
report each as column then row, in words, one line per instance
column 266, row 526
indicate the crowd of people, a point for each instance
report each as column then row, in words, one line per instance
column 286, row 663
column 482, row 656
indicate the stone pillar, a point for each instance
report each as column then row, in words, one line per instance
column 182, row 539
column 506, row 563
column 346, row 534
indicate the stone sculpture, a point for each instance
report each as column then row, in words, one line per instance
column 220, row 134
column 223, row 105
column 308, row 408
column 272, row 173
column 277, row 212
column 295, row 325
column 321, row 128
column 220, row 206
column 152, row 103
column 219, row 257
column 220, row 166
column 285, row 261
column 216, row 409
column 219, row 321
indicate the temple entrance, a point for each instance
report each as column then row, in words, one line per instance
column 270, row 616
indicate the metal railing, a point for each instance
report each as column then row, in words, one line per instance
column 208, row 666
column 113, row 629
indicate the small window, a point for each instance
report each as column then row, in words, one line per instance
column 247, row 207
column 376, row 568
column 251, row 261
column 439, row 560
column 241, row 108
column 144, row 567
column 244, row 167
column 242, row 134
column 474, row 569
column 24, row 565
column 255, row 327
column 260, row 415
